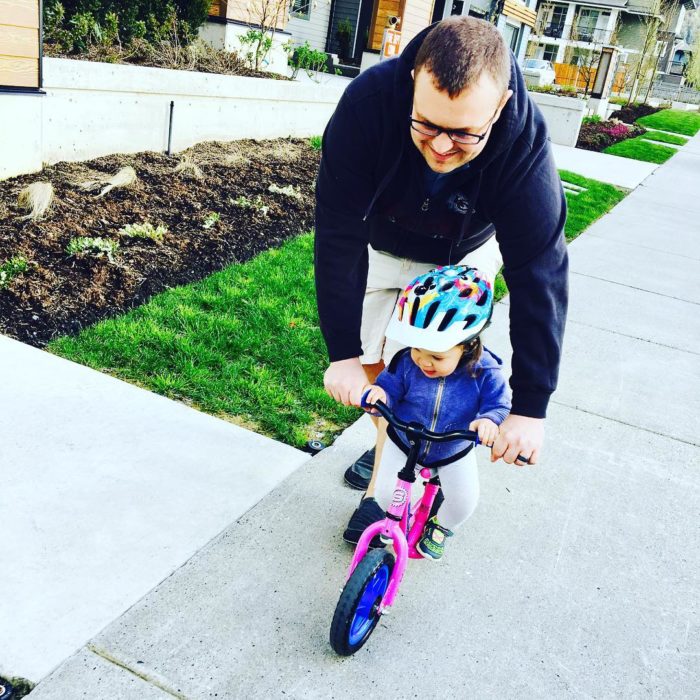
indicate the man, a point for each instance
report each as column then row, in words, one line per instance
column 426, row 157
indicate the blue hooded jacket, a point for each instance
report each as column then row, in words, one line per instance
column 445, row 403
column 372, row 188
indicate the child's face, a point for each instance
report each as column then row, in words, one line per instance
column 437, row 364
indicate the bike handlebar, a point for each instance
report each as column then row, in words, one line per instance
column 420, row 431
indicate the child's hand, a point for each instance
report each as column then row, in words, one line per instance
column 487, row 429
column 376, row 393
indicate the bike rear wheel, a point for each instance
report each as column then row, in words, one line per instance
column 357, row 612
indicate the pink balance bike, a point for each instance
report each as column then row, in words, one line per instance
column 375, row 575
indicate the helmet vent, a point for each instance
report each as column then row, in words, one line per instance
column 465, row 293
column 415, row 307
column 482, row 299
column 430, row 313
column 469, row 320
column 447, row 319
column 447, row 286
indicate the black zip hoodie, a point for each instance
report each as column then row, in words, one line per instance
column 371, row 189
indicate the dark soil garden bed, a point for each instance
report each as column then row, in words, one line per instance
column 598, row 135
column 630, row 113
column 226, row 215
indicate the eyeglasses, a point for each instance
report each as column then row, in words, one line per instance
column 456, row 135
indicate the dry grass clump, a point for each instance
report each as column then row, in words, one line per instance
column 125, row 177
column 188, row 168
column 284, row 151
column 36, row 198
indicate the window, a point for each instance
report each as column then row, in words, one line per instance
column 301, row 9
column 550, row 52
column 511, row 34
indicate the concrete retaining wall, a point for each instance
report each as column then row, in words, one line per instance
column 94, row 109
column 563, row 116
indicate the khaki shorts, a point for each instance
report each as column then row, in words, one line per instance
column 389, row 275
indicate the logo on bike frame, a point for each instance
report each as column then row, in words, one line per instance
column 399, row 497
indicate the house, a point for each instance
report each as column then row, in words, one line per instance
column 574, row 32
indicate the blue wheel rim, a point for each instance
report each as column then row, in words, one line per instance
column 365, row 614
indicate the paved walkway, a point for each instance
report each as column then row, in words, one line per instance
column 106, row 490
column 578, row 578
column 623, row 172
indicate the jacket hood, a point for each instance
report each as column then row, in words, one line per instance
column 513, row 118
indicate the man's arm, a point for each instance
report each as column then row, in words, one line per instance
column 529, row 221
column 343, row 192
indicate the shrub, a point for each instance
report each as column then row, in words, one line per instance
column 211, row 219
column 11, row 268
column 315, row 142
column 36, row 198
column 307, row 59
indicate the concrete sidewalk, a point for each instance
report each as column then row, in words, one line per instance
column 106, row 490
column 578, row 578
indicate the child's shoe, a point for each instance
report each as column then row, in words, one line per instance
column 432, row 544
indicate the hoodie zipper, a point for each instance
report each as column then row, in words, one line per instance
column 436, row 410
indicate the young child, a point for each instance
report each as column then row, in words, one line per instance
column 445, row 380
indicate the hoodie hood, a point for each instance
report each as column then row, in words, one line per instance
column 510, row 124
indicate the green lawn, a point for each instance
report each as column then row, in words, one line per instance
column 244, row 344
column 664, row 137
column 674, row 120
column 639, row 148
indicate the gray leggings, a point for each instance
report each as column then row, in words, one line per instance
column 459, row 480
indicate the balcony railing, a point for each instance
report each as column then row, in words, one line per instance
column 573, row 32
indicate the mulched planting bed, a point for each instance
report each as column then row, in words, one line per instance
column 227, row 215
column 597, row 136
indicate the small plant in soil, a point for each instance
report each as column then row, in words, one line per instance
column 211, row 219
column 11, row 268
column 315, row 143
column 81, row 246
column 288, row 191
column 145, row 230
column 257, row 204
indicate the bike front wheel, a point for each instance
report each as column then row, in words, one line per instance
column 357, row 612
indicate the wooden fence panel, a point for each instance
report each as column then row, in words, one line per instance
column 581, row 77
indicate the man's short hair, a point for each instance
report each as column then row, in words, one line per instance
column 459, row 49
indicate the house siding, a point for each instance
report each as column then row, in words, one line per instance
column 314, row 29
column 416, row 17
column 19, row 44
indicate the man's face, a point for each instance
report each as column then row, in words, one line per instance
column 474, row 110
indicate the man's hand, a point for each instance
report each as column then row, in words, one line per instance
column 345, row 381
column 519, row 435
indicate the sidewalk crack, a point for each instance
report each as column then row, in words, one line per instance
column 631, row 286
column 607, row 239
column 104, row 654
column 632, row 337
column 622, row 422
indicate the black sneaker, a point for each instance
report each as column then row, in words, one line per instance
column 365, row 514
column 358, row 475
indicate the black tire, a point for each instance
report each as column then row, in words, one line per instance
column 6, row 690
column 375, row 565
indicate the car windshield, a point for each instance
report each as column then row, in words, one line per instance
column 535, row 63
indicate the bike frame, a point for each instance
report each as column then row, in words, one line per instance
column 404, row 530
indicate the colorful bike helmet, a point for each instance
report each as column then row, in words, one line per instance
column 442, row 308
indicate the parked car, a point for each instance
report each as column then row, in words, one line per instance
column 538, row 72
